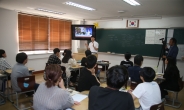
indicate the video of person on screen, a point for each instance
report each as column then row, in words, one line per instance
column 83, row 31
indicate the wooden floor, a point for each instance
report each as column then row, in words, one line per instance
column 39, row 78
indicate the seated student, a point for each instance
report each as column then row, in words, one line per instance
column 4, row 65
column 54, row 58
column 110, row 98
column 48, row 95
column 134, row 71
column 87, row 77
column 147, row 92
column 127, row 63
column 83, row 61
column 20, row 70
column 171, row 76
column 68, row 61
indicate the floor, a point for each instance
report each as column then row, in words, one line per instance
column 26, row 101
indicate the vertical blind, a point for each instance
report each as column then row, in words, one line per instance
column 43, row 33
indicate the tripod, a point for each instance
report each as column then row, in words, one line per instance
column 162, row 52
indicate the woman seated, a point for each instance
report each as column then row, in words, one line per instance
column 68, row 61
column 87, row 77
column 127, row 63
column 48, row 95
column 110, row 98
column 171, row 76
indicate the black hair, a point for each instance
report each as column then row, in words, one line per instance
column 67, row 56
column 91, row 61
column 21, row 57
column 138, row 59
column 127, row 56
column 87, row 52
column 92, row 36
column 117, row 76
column 1, row 53
column 64, row 52
column 56, row 50
column 148, row 74
column 174, row 40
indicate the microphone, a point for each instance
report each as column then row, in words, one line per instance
column 161, row 39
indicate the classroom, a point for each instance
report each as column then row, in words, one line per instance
column 109, row 15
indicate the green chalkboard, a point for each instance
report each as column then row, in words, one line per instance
column 179, row 35
column 126, row 40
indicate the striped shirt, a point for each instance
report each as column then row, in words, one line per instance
column 4, row 64
column 53, row 98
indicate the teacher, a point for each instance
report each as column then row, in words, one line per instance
column 93, row 45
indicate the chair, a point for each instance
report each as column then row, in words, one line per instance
column 26, row 84
column 159, row 106
column 175, row 95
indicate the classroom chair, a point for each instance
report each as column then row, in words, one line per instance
column 27, row 85
column 159, row 106
column 174, row 99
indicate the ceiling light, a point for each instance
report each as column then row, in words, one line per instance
column 49, row 11
column 79, row 6
column 132, row 2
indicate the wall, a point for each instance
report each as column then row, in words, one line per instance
column 151, row 23
column 9, row 39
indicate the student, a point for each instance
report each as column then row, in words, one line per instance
column 134, row 71
column 20, row 70
column 87, row 77
column 127, row 63
column 3, row 63
column 64, row 52
column 110, row 98
column 68, row 61
column 83, row 61
column 49, row 96
column 3, row 66
column 54, row 58
column 147, row 92
column 171, row 76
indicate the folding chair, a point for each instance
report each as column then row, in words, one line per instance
column 159, row 106
column 26, row 84
column 175, row 95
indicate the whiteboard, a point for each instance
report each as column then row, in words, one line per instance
column 180, row 52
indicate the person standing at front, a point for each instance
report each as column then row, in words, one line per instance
column 93, row 45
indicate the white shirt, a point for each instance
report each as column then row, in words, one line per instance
column 148, row 94
column 71, row 62
column 91, row 46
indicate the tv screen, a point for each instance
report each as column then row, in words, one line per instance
column 83, row 32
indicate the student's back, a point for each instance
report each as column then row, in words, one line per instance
column 109, row 99
column 134, row 73
column 127, row 63
column 148, row 94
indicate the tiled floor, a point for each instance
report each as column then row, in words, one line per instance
column 39, row 78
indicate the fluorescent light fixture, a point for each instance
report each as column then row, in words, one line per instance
column 79, row 6
column 49, row 11
column 132, row 2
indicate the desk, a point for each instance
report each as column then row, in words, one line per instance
column 74, row 68
column 84, row 103
column 103, row 64
column 10, row 70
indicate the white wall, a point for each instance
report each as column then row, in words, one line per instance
column 145, row 23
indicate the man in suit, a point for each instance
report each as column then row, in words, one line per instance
column 173, row 50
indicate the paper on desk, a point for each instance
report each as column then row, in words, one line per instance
column 79, row 97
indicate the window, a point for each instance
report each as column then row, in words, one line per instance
column 43, row 33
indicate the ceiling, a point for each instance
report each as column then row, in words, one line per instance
column 105, row 9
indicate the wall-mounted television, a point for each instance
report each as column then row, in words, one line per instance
column 83, row 32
